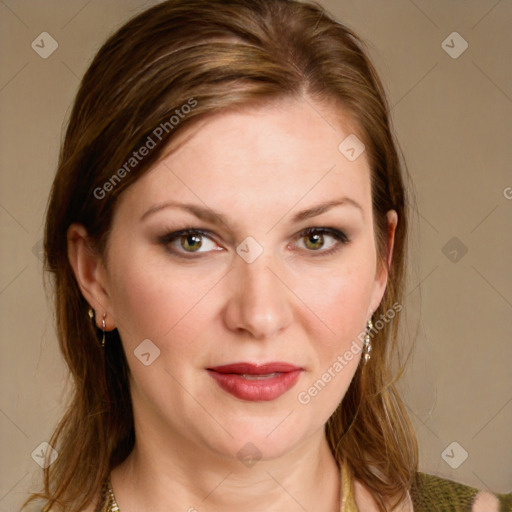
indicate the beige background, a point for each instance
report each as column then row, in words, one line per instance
column 453, row 119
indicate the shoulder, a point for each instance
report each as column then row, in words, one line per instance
column 431, row 493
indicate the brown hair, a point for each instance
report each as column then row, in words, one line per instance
column 213, row 55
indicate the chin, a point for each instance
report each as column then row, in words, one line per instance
column 260, row 439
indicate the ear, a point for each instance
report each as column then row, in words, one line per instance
column 90, row 274
column 381, row 276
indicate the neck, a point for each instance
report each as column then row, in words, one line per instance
column 160, row 477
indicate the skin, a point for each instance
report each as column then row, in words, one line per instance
column 294, row 303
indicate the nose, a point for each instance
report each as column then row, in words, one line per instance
column 259, row 300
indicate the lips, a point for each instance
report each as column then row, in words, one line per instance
column 253, row 382
column 253, row 369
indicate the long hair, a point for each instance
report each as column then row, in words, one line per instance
column 162, row 71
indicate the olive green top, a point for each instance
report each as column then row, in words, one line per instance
column 436, row 494
column 430, row 494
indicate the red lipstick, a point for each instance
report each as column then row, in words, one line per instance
column 256, row 383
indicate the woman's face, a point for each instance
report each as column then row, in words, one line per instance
column 251, row 288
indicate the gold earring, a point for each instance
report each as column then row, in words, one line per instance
column 367, row 347
column 103, row 325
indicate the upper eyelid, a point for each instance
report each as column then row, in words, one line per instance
column 338, row 234
column 324, row 229
column 172, row 234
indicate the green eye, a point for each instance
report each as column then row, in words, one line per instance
column 191, row 242
column 314, row 241
column 324, row 241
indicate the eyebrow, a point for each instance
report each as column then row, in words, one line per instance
column 201, row 212
column 208, row 215
column 323, row 207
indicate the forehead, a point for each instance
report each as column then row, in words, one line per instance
column 259, row 159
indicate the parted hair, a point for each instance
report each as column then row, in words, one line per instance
column 214, row 55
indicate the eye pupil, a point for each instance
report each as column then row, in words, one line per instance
column 191, row 242
column 316, row 240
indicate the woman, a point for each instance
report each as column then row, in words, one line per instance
column 227, row 233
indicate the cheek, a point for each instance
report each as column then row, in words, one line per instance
column 340, row 299
column 150, row 300
column 340, row 306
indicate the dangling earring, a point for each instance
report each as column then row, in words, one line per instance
column 103, row 325
column 367, row 346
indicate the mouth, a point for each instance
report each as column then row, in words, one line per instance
column 256, row 383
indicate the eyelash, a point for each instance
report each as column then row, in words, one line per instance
column 167, row 239
column 338, row 235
